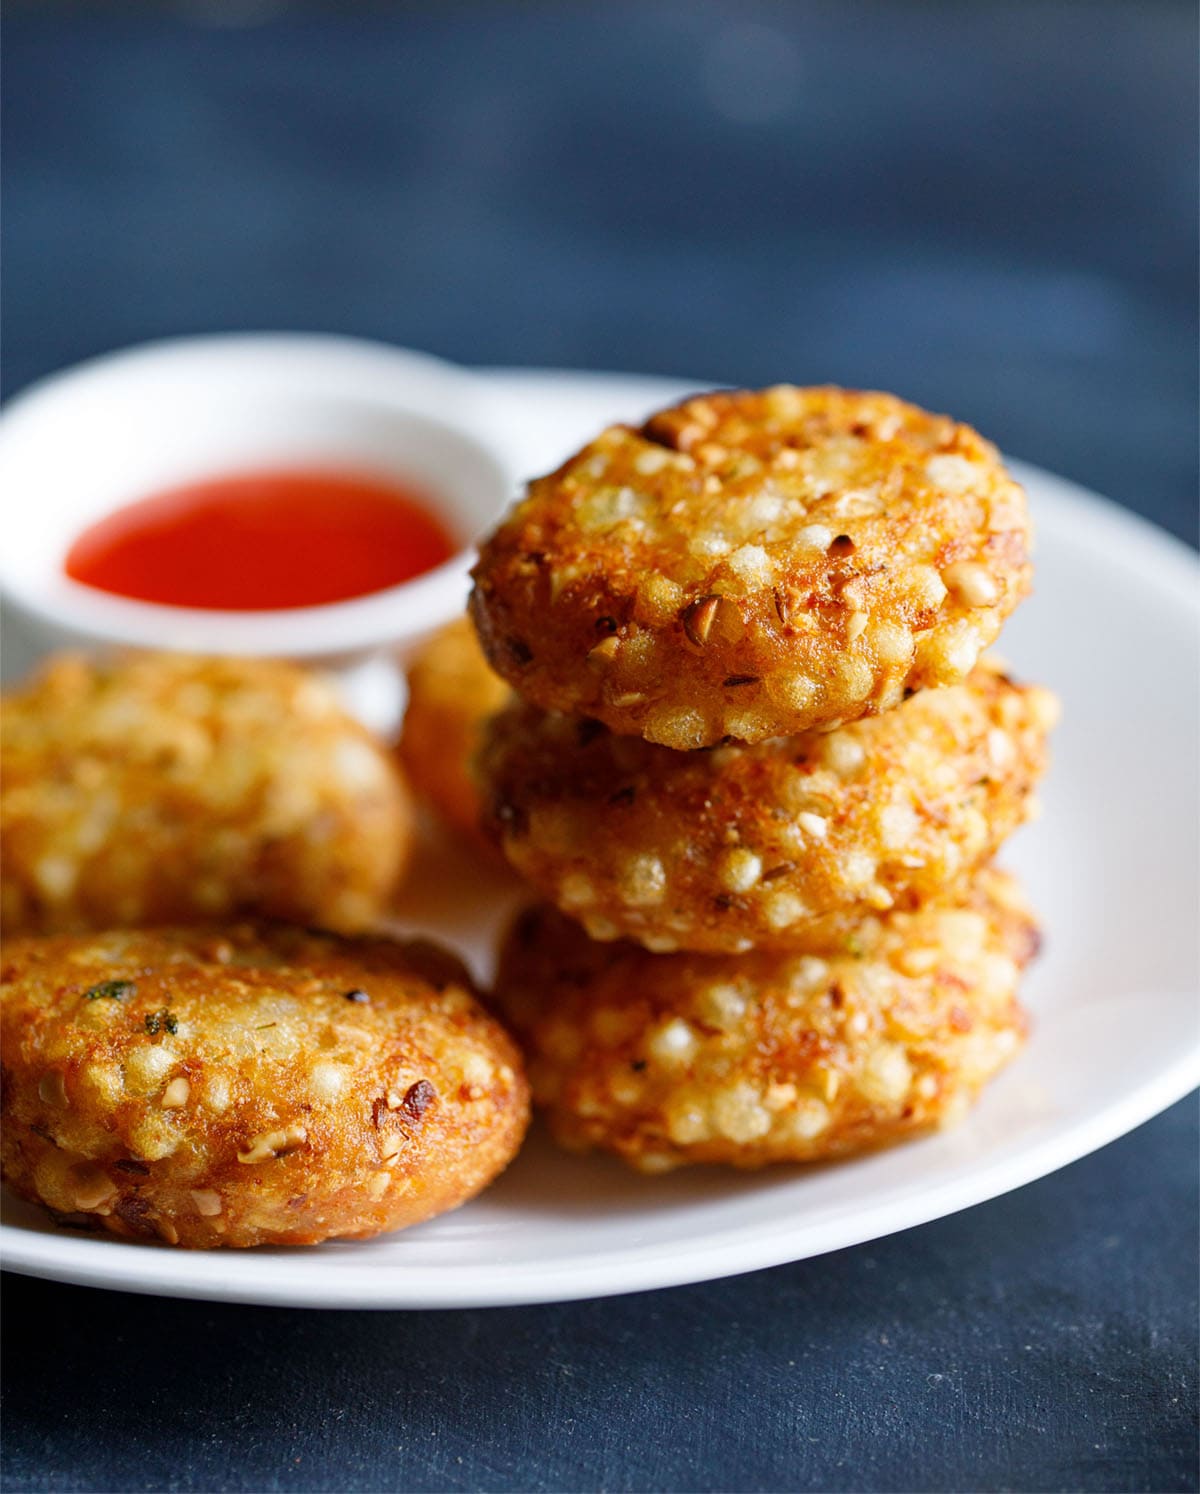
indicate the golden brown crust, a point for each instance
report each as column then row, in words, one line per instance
column 452, row 692
column 161, row 788
column 755, row 564
column 220, row 1086
column 671, row 1059
column 782, row 845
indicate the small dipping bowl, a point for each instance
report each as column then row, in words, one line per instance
column 84, row 443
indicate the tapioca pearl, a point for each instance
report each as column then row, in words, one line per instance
column 891, row 643
column 843, row 753
column 670, row 726
column 687, row 1122
column 783, row 909
column 739, row 869
column 803, row 1122
column 796, row 691
column 853, row 677
column 576, row 891
column 898, row 825
column 658, row 600
column 886, row 1075
column 952, row 473
column 642, row 881
column 673, row 1044
column 925, row 588
column 972, row 584
column 739, row 1114
column 720, row 1004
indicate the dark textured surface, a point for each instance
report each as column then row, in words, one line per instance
column 988, row 207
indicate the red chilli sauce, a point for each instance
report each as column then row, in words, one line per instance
column 263, row 541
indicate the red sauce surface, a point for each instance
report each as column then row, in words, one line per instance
column 260, row 541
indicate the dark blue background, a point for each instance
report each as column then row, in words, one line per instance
column 988, row 207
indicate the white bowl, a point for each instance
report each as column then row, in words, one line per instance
column 122, row 427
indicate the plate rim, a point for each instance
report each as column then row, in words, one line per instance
column 277, row 1279
column 282, row 1279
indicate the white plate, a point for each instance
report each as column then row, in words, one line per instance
column 1112, row 867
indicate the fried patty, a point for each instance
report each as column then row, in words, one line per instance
column 166, row 788
column 250, row 1084
column 767, row 1057
column 451, row 693
column 783, row 845
column 755, row 564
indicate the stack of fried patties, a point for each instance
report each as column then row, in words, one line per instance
column 759, row 770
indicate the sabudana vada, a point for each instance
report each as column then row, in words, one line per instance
column 249, row 1085
column 785, row 844
column 451, row 693
column 765, row 1057
column 167, row 788
column 753, row 565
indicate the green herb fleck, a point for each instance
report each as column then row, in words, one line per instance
column 156, row 1021
column 855, row 947
column 111, row 990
